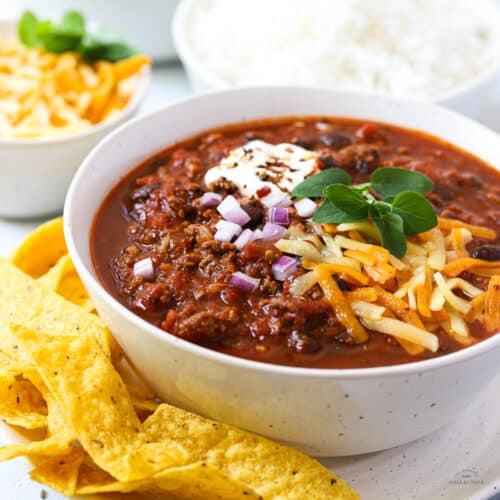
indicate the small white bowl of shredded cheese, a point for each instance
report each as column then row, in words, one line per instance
column 446, row 51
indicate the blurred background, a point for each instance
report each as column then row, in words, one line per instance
column 404, row 48
column 146, row 23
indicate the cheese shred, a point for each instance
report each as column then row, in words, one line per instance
column 409, row 299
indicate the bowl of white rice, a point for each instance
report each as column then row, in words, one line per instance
column 446, row 51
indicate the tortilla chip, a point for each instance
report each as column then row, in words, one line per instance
column 12, row 359
column 41, row 249
column 21, row 403
column 96, row 404
column 25, row 301
column 92, row 476
column 60, row 472
column 58, row 434
column 99, row 408
column 191, row 482
column 272, row 470
column 64, row 280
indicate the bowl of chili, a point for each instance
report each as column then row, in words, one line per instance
column 196, row 257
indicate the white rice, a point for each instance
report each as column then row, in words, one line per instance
column 417, row 48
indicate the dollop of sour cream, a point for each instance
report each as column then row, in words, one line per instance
column 258, row 164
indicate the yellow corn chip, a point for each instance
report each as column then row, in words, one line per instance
column 25, row 301
column 96, row 404
column 191, row 482
column 12, row 359
column 63, row 279
column 59, row 434
column 41, row 249
column 272, row 470
column 21, row 403
column 60, row 472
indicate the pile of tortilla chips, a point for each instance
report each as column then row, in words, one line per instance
column 100, row 430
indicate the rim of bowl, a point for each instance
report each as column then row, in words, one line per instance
column 139, row 93
column 189, row 59
column 415, row 367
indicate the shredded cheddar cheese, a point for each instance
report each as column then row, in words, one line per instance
column 477, row 231
column 342, row 309
column 410, row 299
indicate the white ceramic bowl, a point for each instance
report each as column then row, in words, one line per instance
column 35, row 173
column 322, row 411
column 470, row 98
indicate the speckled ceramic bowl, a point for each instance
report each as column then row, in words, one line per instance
column 322, row 411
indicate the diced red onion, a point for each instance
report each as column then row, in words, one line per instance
column 257, row 234
column 284, row 267
column 230, row 209
column 272, row 231
column 245, row 237
column 226, row 230
column 279, row 215
column 277, row 200
column 144, row 268
column 210, row 200
column 305, row 207
column 244, row 282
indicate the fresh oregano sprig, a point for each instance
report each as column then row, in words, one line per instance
column 402, row 210
column 71, row 34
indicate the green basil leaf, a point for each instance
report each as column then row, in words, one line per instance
column 73, row 23
column 56, row 42
column 44, row 29
column 417, row 213
column 313, row 186
column 390, row 227
column 349, row 201
column 70, row 35
column 390, row 181
column 380, row 207
column 330, row 213
column 63, row 38
column 93, row 48
column 26, row 29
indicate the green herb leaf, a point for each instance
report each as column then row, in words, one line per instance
column 390, row 181
column 348, row 200
column 390, row 227
column 92, row 49
column 417, row 213
column 72, row 23
column 380, row 208
column 59, row 43
column 330, row 213
column 26, row 29
column 341, row 205
column 71, row 35
column 313, row 186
